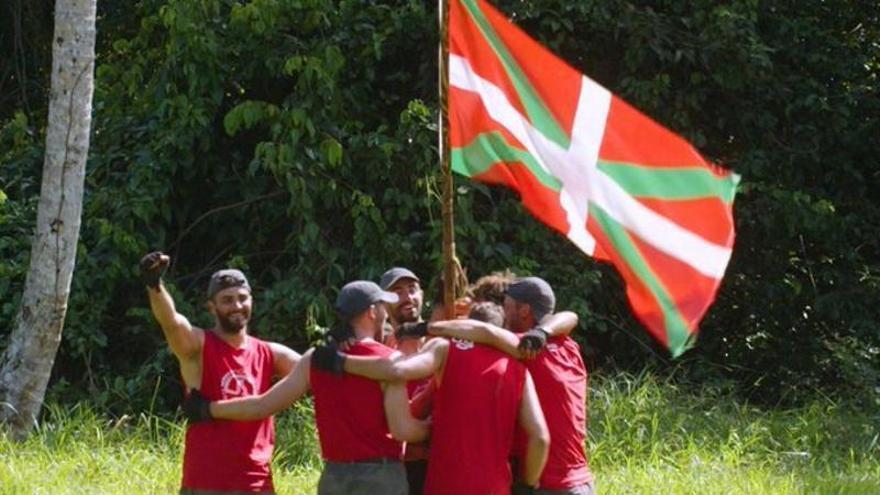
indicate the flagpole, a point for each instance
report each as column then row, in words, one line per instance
column 450, row 263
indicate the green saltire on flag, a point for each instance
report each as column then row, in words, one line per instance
column 620, row 186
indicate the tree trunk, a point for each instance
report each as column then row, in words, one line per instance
column 27, row 362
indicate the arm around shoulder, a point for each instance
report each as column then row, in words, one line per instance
column 479, row 332
column 560, row 324
column 284, row 393
column 420, row 365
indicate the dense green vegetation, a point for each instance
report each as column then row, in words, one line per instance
column 646, row 436
column 296, row 139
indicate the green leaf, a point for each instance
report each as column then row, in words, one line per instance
column 248, row 114
column 332, row 151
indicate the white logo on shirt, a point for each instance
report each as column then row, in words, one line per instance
column 237, row 384
column 464, row 345
column 552, row 347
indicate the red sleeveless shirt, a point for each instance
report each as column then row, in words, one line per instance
column 473, row 421
column 231, row 455
column 350, row 413
column 561, row 382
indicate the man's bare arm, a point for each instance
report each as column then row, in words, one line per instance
column 531, row 419
column 284, row 393
column 284, row 359
column 401, row 423
column 184, row 340
column 479, row 332
column 402, row 368
column 559, row 324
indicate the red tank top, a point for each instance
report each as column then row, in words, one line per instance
column 561, row 381
column 350, row 413
column 231, row 455
column 473, row 422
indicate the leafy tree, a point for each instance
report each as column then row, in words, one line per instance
column 296, row 139
column 27, row 361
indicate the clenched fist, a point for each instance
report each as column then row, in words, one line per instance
column 153, row 266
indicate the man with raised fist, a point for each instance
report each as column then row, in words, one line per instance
column 223, row 362
column 361, row 423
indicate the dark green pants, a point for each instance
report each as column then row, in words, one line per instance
column 363, row 478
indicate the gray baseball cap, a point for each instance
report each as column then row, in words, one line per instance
column 390, row 277
column 535, row 292
column 355, row 297
column 223, row 279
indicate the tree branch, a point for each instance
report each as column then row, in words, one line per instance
column 218, row 210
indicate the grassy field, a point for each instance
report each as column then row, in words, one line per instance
column 646, row 436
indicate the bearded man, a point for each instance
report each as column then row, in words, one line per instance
column 223, row 362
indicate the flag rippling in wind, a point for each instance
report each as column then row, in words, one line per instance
column 620, row 186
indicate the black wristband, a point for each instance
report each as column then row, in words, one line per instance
column 534, row 339
column 196, row 407
column 520, row 488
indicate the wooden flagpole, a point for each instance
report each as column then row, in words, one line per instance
column 451, row 267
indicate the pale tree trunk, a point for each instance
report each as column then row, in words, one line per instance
column 27, row 361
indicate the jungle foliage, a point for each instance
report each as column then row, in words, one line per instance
column 296, row 139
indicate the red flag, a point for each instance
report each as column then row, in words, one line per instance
column 620, row 186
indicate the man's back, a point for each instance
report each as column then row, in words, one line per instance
column 561, row 382
column 473, row 421
column 350, row 415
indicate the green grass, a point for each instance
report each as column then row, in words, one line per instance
column 651, row 436
column 646, row 436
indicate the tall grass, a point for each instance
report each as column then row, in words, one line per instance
column 647, row 435
column 77, row 451
column 650, row 436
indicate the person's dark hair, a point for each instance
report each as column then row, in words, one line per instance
column 341, row 330
column 492, row 287
column 487, row 311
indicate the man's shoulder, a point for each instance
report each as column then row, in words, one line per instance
column 562, row 357
column 370, row 347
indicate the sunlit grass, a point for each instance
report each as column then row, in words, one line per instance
column 651, row 436
column 646, row 436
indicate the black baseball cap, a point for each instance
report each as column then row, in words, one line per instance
column 390, row 277
column 355, row 297
column 535, row 292
column 223, row 279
